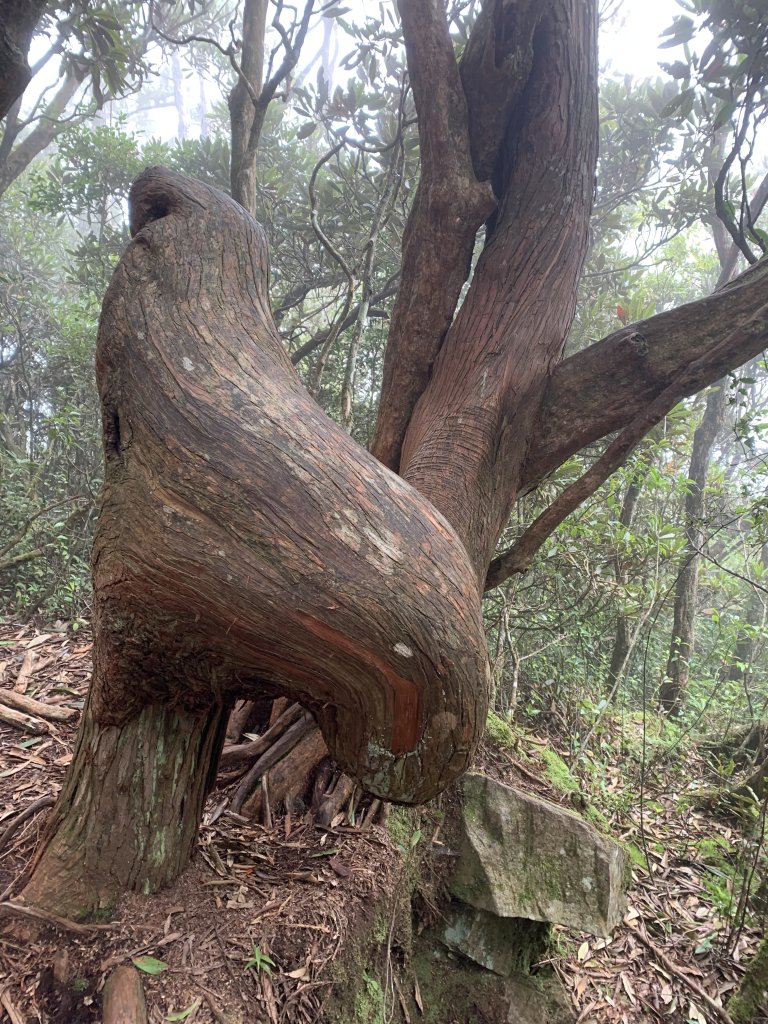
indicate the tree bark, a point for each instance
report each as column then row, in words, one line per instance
column 128, row 814
column 18, row 20
column 243, row 103
column 675, row 682
column 622, row 643
column 469, row 434
column 246, row 547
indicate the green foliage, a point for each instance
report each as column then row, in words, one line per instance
column 259, row 961
column 150, row 964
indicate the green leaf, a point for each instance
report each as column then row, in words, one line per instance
column 261, row 961
column 327, row 853
column 149, row 964
column 183, row 1014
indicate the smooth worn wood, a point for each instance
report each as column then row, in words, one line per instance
column 21, row 702
column 242, row 753
column 22, row 721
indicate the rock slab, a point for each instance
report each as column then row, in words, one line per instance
column 523, row 857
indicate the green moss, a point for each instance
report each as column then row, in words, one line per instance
column 401, row 825
column 636, row 855
column 598, row 819
column 750, row 998
column 499, row 733
column 369, row 1001
column 711, row 850
column 558, row 773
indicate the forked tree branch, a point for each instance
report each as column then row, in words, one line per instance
column 449, row 208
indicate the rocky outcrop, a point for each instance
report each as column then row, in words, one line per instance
column 520, row 865
column 522, row 857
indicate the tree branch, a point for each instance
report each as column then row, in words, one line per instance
column 604, row 387
column 449, row 207
column 317, row 340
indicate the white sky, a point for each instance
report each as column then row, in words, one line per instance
column 629, row 45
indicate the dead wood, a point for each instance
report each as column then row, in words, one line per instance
column 21, row 702
column 276, row 752
column 290, row 777
column 241, row 753
column 21, row 721
column 123, row 997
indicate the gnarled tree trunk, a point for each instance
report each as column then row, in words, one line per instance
column 248, row 547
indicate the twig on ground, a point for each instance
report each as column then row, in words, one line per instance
column 662, row 957
column 21, row 817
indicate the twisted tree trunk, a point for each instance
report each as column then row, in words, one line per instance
column 246, row 545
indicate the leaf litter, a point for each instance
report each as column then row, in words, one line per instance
column 294, row 892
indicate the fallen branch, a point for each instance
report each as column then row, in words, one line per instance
column 21, row 817
column 25, row 672
column 11, row 909
column 21, row 721
column 276, row 753
column 21, row 702
column 240, row 752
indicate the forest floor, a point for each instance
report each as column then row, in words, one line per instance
column 250, row 932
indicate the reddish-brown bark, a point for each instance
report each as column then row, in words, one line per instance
column 470, row 431
column 246, row 545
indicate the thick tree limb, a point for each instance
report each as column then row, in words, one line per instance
column 246, row 547
column 604, row 387
column 449, row 208
column 469, row 433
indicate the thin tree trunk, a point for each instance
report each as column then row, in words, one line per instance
column 45, row 131
column 675, row 683
column 622, row 643
column 243, row 102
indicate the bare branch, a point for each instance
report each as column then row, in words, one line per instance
column 603, row 388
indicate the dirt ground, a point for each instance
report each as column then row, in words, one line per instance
column 251, row 931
